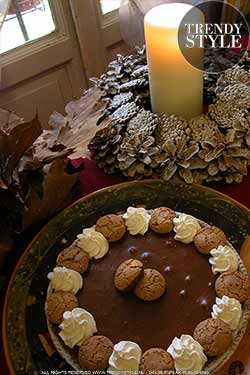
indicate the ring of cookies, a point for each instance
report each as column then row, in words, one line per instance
column 211, row 337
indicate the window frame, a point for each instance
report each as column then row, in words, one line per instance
column 31, row 40
column 30, row 58
column 113, row 13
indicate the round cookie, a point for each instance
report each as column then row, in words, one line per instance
column 209, row 238
column 151, row 285
column 214, row 335
column 128, row 274
column 94, row 353
column 156, row 359
column 58, row 303
column 73, row 258
column 162, row 220
column 234, row 285
column 112, row 227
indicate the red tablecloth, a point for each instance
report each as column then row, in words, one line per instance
column 92, row 179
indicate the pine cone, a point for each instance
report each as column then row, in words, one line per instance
column 178, row 153
column 104, row 147
column 119, row 100
column 232, row 76
column 210, row 81
column 216, row 61
column 123, row 114
column 108, row 84
column 213, row 168
column 121, row 72
column 234, row 177
column 209, row 154
column 136, row 155
column 205, row 131
column 199, row 176
column 136, row 84
column 245, row 60
column 233, row 121
column 144, row 122
column 238, row 93
column 219, row 59
column 226, row 115
column 171, row 127
column 141, row 72
column 142, row 98
column 236, row 168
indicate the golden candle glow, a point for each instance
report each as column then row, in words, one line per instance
column 176, row 87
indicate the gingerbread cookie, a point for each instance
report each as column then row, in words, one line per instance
column 58, row 303
column 94, row 353
column 161, row 220
column 73, row 258
column 112, row 227
column 128, row 274
column 151, row 285
column 209, row 238
column 234, row 285
column 154, row 360
column 214, row 335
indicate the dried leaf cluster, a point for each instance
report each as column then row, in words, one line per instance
column 211, row 147
column 34, row 179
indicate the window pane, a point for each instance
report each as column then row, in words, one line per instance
column 108, row 6
column 26, row 20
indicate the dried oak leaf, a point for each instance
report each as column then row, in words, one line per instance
column 9, row 120
column 40, row 154
column 57, row 185
column 16, row 136
column 68, row 136
column 76, row 130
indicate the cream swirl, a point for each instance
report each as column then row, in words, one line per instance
column 187, row 353
column 77, row 326
column 229, row 310
column 224, row 259
column 66, row 280
column 93, row 242
column 137, row 220
column 126, row 356
column 186, row 227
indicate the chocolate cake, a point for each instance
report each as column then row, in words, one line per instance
column 148, row 291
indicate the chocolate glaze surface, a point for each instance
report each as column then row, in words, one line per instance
column 188, row 299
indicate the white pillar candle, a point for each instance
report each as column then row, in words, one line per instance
column 176, row 87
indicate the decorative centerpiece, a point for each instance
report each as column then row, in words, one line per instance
column 140, row 144
column 124, row 296
column 165, row 134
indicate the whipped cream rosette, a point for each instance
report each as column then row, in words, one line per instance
column 65, row 279
column 126, row 356
column 224, row 259
column 187, row 353
column 229, row 310
column 137, row 220
column 77, row 326
column 185, row 228
column 93, row 242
